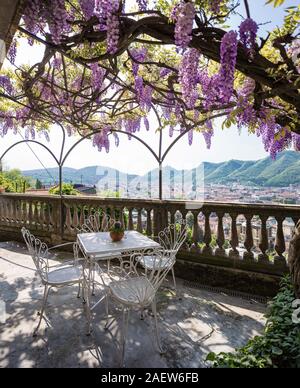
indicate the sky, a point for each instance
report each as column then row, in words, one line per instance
column 131, row 156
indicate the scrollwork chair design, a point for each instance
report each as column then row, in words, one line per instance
column 137, row 290
column 57, row 276
column 171, row 240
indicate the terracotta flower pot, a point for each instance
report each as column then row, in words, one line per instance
column 116, row 236
column 2, row 190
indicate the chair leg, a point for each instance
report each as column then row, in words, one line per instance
column 45, row 297
column 174, row 280
column 161, row 350
column 93, row 280
column 79, row 289
column 124, row 334
column 83, row 292
column 106, row 311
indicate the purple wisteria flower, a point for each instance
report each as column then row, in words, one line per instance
column 183, row 15
column 87, row 7
column 248, row 32
column 188, row 76
column 142, row 4
column 228, row 62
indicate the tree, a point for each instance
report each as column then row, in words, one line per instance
column 67, row 189
column 38, row 184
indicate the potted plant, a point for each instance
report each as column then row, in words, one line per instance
column 117, row 232
column 2, row 190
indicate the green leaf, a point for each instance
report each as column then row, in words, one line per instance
column 211, row 357
column 277, row 351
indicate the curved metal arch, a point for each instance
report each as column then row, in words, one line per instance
column 30, row 141
column 179, row 137
column 113, row 131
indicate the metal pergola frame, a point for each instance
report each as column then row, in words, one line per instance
column 159, row 157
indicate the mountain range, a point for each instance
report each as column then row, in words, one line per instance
column 265, row 173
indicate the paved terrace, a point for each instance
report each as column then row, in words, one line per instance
column 190, row 329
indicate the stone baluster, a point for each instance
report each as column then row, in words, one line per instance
column 264, row 241
column 75, row 217
column 68, row 219
column 30, row 213
column 36, row 216
column 82, row 216
column 10, row 212
column 156, row 221
column 16, row 212
column 130, row 219
column 139, row 221
column 24, row 213
column 207, row 250
column 280, row 247
column 220, row 251
column 122, row 217
column 48, row 216
column 234, row 242
column 42, row 215
column 248, row 255
column 196, row 232
column 149, row 222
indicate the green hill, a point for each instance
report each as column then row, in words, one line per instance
column 281, row 172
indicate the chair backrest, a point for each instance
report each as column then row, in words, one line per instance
column 97, row 222
column 173, row 237
column 163, row 261
column 39, row 253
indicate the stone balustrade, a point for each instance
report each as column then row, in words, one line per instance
column 242, row 236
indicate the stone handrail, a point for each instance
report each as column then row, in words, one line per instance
column 242, row 236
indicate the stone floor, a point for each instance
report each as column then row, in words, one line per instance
column 190, row 328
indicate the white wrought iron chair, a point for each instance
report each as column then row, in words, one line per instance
column 95, row 223
column 57, row 276
column 171, row 240
column 136, row 289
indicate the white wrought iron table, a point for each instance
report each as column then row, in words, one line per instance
column 99, row 246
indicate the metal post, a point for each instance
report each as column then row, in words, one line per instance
column 60, row 167
column 160, row 181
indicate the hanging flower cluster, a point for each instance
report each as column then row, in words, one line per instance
column 228, row 56
column 53, row 12
column 107, row 10
column 58, row 20
column 144, row 93
column 12, row 52
column 274, row 137
column 208, row 133
column 101, row 140
column 248, row 33
column 6, row 84
column 210, row 89
column 87, row 7
column 215, row 6
column 132, row 125
column 188, row 76
column 183, row 15
column 98, row 74
column 142, row 4
column 247, row 115
column 139, row 56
